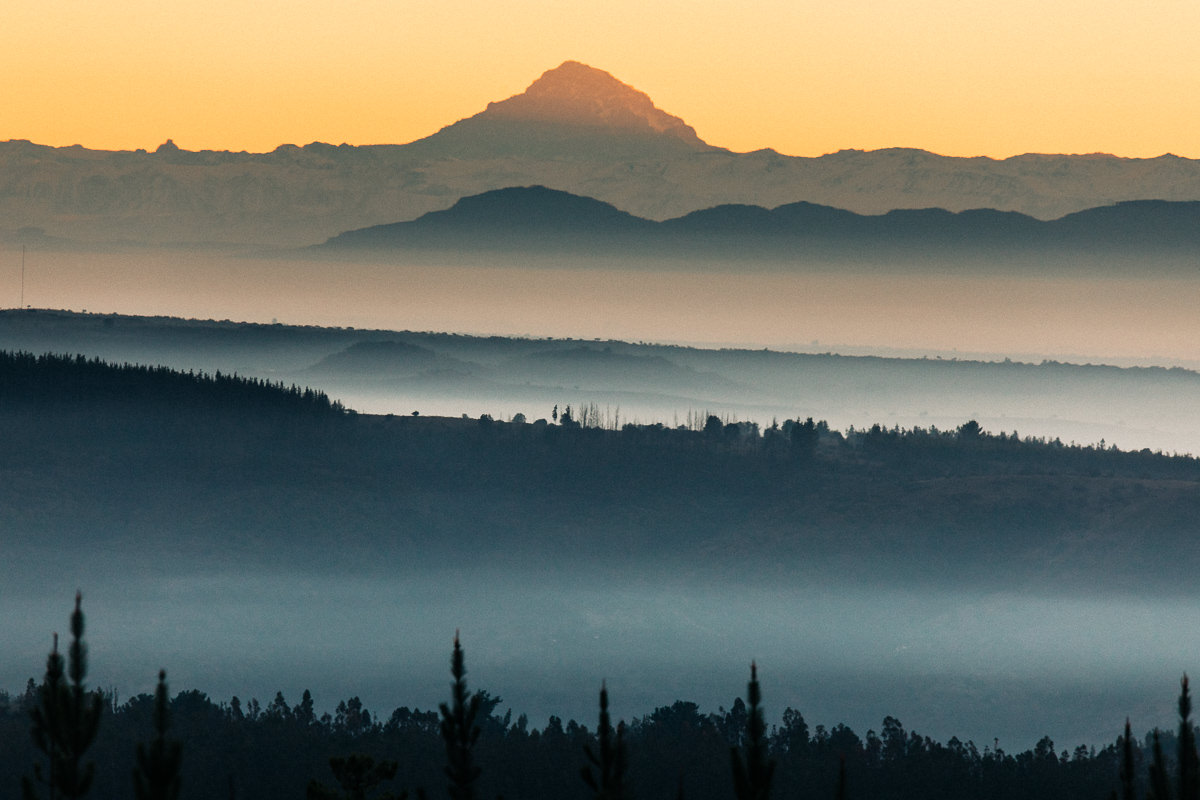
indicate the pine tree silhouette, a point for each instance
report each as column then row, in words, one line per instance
column 752, row 774
column 1189, row 761
column 156, row 772
column 609, row 760
column 1189, row 767
column 459, row 731
column 65, row 720
column 1127, row 765
column 1160, row 788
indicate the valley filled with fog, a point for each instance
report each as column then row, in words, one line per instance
column 973, row 587
column 1139, row 317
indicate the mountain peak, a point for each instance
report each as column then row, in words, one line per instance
column 576, row 94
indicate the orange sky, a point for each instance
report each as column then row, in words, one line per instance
column 958, row 77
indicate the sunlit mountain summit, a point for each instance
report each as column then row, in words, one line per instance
column 574, row 93
column 575, row 109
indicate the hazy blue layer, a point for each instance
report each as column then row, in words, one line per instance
column 977, row 666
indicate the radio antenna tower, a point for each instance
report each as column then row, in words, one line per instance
column 22, row 276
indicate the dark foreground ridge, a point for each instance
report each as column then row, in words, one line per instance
column 83, row 741
column 236, row 467
column 49, row 380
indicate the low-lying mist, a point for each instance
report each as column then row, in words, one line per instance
column 543, row 632
column 1135, row 314
column 976, row 666
column 1139, row 317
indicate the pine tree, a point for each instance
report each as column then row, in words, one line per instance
column 304, row 713
column 1189, row 768
column 752, row 774
column 46, row 724
column 839, row 792
column 610, row 758
column 1127, row 764
column 65, row 720
column 1160, row 788
column 459, row 731
column 156, row 773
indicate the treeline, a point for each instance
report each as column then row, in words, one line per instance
column 783, row 500
column 83, row 744
column 274, row 750
column 813, row 446
column 49, row 384
column 57, row 380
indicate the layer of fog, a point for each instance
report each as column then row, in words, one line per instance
column 1092, row 424
column 945, row 663
column 976, row 666
column 1131, row 316
column 1069, row 315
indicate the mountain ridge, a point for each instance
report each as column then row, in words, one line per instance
column 575, row 127
column 537, row 217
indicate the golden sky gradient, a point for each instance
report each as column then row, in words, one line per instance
column 958, row 77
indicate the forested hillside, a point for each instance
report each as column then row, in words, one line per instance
column 717, row 497
column 57, row 382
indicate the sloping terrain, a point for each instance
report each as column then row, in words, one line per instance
column 439, row 373
column 251, row 473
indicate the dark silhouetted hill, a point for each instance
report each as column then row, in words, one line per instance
column 384, row 356
column 536, row 218
column 519, row 216
column 150, row 464
column 38, row 382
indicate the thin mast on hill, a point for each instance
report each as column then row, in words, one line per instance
column 22, row 277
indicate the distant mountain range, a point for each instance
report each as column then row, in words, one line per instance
column 536, row 218
column 576, row 129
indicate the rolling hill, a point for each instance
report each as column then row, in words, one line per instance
column 228, row 468
column 538, row 219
